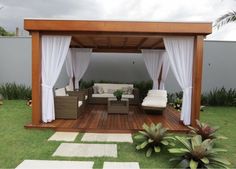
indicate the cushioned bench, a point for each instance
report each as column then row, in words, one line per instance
column 155, row 100
column 99, row 93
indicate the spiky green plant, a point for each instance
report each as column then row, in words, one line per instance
column 205, row 130
column 153, row 138
column 196, row 153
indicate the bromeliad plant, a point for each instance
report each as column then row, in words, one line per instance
column 196, row 153
column 206, row 131
column 153, row 138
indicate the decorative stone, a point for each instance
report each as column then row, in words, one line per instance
column 107, row 137
column 49, row 164
column 121, row 165
column 86, row 150
column 63, row 136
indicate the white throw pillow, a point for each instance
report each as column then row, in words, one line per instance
column 60, row 92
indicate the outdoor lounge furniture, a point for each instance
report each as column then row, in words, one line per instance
column 66, row 106
column 106, row 90
column 155, row 100
column 118, row 107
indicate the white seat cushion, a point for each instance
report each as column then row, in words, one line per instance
column 154, row 101
column 107, row 86
column 60, row 92
column 80, row 103
column 108, row 95
column 162, row 93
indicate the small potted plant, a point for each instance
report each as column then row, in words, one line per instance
column 118, row 94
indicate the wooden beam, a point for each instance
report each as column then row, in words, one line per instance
column 36, row 79
column 77, row 42
column 109, row 42
column 125, row 41
column 113, row 34
column 197, row 78
column 117, row 50
column 117, row 26
column 93, row 42
column 156, row 43
column 141, row 42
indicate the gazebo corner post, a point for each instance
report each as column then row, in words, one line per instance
column 197, row 78
column 36, row 78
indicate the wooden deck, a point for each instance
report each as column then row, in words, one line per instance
column 96, row 119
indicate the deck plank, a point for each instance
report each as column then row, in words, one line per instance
column 96, row 119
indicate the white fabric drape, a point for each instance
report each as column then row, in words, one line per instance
column 165, row 70
column 54, row 51
column 81, row 61
column 180, row 52
column 69, row 68
column 153, row 60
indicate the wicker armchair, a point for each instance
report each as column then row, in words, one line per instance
column 69, row 107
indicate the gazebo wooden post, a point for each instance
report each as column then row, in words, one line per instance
column 197, row 78
column 36, row 78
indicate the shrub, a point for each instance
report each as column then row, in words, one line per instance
column 206, row 131
column 153, row 138
column 219, row 97
column 196, row 153
column 15, row 91
column 175, row 100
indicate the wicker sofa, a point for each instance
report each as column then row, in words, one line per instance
column 69, row 106
column 101, row 98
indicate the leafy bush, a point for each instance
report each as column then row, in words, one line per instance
column 175, row 100
column 220, row 97
column 196, row 153
column 15, row 91
column 205, row 130
column 143, row 87
column 153, row 138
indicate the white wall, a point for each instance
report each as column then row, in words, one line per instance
column 218, row 70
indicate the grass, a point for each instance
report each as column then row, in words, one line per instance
column 17, row 143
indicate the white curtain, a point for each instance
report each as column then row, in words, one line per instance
column 54, row 51
column 153, row 60
column 81, row 61
column 69, row 68
column 180, row 52
column 165, row 70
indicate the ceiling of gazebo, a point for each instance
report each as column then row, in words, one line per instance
column 117, row 44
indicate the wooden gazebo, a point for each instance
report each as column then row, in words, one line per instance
column 115, row 36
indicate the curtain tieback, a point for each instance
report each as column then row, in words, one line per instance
column 187, row 88
column 47, row 86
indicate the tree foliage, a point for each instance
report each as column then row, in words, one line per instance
column 3, row 32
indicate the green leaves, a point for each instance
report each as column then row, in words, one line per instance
column 193, row 164
column 199, row 153
column 153, row 138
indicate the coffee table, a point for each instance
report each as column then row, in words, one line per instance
column 118, row 107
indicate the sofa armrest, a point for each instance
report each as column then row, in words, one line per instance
column 79, row 94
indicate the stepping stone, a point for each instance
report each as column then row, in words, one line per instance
column 101, row 137
column 121, row 165
column 63, row 136
column 86, row 150
column 49, row 164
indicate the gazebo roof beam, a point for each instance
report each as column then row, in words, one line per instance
column 77, row 42
column 156, row 43
column 141, row 42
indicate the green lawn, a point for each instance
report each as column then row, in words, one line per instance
column 17, row 143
